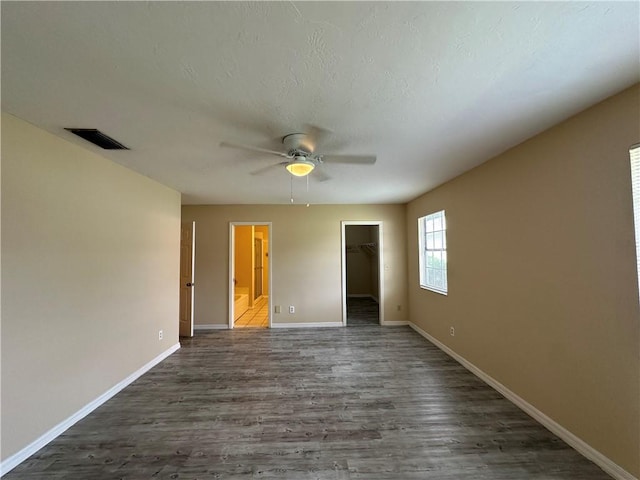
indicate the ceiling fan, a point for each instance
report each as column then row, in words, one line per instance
column 301, row 156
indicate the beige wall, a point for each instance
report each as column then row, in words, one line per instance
column 243, row 263
column 263, row 230
column 542, row 283
column 305, row 256
column 90, row 268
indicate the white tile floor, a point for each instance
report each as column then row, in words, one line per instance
column 256, row 317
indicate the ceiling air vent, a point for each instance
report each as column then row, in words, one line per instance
column 97, row 138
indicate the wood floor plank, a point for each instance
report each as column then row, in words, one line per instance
column 362, row 311
column 352, row 403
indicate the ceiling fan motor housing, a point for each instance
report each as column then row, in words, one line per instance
column 298, row 143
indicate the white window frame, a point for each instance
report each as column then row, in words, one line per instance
column 432, row 244
column 634, row 154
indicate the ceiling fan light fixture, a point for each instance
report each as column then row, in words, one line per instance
column 300, row 166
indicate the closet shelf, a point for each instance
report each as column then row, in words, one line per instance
column 370, row 249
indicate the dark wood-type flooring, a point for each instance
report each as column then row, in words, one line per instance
column 362, row 311
column 337, row 403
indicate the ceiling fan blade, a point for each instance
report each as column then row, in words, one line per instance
column 315, row 135
column 320, row 175
column 353, row 159
column 262, row 170
column 253, row 149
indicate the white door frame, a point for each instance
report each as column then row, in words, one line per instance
column 372, row 223
column 232, row 226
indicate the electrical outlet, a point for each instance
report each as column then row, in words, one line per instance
column 292, row 309
column 452, row 331
column 277, row 309
column 159, row 334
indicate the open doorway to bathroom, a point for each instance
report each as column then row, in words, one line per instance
column 362, row 274
column 249, row 275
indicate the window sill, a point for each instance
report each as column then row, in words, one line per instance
column 431, row 289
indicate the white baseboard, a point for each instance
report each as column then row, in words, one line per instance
column 307, row 325
column 212, row 326
column 608, row 465
column 394, row 323
column 17, row 458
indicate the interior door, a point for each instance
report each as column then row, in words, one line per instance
column 187, row 262
column 257, row 265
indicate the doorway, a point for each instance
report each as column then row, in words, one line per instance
column 362, row 273
column 249, row 275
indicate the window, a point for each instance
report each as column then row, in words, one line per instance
column 432, row 232
column 635, row 187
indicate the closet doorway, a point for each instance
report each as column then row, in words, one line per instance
column 362, row 273
column 249, row 275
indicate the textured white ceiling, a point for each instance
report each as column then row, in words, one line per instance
column 432, row 88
